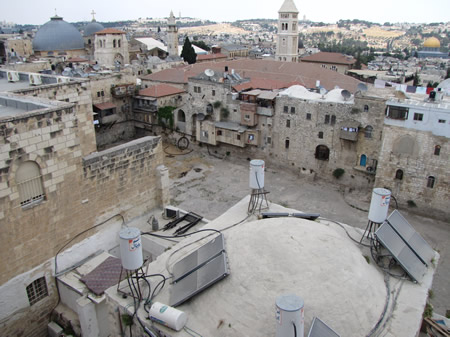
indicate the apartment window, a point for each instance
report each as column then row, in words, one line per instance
column 37, row 290
column 320, row 134
column 368, row 131
column 366, row 108
column 286, row 143
column 118, row 42
column 292, row 109
column 288, row 123
column 269, row 140
column 294, row 26
column 418, row 116
column 430, row 182
column 29, row 183
column 114, row 43
column 399, row 175
column 396, row 112
column 238, row 137
column 333, row 119
column 327, row 119
column 308, row 116
column 441, row 121
column 103, row 93
column 286, row 109
column 98, row 93
column 437, row 150
column 197, row 89
column 219, row 132
column 322, row 152
column 214, row 93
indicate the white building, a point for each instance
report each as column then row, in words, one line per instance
column 111, row 47
column 287, row 38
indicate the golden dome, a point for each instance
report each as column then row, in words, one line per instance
column 432, row 42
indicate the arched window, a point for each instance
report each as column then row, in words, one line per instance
column 399, row 174
column 29, row 183
column 363, row 160
column 430, row 182
column 437, row 150
column 322, row 152
column 181, row 116
column 118, row 43
column 368, row 131
column 101, row 44
column 366, row 108
column 114, row 43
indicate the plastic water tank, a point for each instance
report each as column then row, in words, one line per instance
column 168, row 316
column 290, row 316
column 256, row 174
column 379, row 205
column 131, row 248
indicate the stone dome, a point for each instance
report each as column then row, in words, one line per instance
column 57, row 34
column 92, row 28
column 432, row 42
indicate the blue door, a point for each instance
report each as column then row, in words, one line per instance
column 363, row 160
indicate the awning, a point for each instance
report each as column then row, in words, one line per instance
column 105, row 106
column 270, row 95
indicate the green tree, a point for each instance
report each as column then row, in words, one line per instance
column 201, row 44
column 448, row 73
column 416, row 82
column 358, row 63
column 188, row 53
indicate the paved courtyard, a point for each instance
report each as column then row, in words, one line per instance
column 209, row 184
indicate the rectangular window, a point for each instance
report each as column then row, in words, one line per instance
column 320, row 135
column 308, row 116
column 103, row 93
column 219, row 132
column 333, row 119
column 396, row 112
column 214, row 93
column 238, row 137
column 292, row 109
column 269, row 140
column 197, row 89
column 288, row 123
column 442, row 121
column 327, row 119
column 37, row 290
column 98, row 93
column 418, row 116
column 286, row 109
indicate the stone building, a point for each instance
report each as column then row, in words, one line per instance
column 15, row 49
column 333, row 61
column 111, row 47
column 89, row 34
column 56, row 188
column 287, row 37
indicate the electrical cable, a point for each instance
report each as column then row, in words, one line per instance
column 345, row 229
column 295, row 329
column 187, row 328
column 383, row 313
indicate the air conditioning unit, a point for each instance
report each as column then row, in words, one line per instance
column 13, row 76
column 171, row 212
column 62, row 80
column 35, row 79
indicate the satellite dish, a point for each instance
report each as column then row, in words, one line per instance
column 323, row 91
column 66, row 73
column 200, row 117
column 346, row 94
column 209, row 72
column 362, row 87
column 96, row 67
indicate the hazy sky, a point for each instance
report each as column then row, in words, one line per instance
column 39, row 11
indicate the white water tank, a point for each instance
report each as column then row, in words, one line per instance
column 379, row 205
column 256, row 174
column 290, row 316
column 131, row 248
column 168, row 316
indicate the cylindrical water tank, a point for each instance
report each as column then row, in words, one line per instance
column 379, row 205
column 290, row 316
column 256, row 174
column 168, row 316
column 131, row 248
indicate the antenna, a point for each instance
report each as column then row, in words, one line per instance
column 209, row 72
column 361, row 87
column 346, row 94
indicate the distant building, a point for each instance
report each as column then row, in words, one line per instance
column 431, row 48
column 172, row 36
column 89, row 33
column 287, row 38
column 235, row 50
column 333, row 61
column 111, row 47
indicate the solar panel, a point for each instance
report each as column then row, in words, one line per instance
column 199, row 270
column 320, row 329
column 413, row 239
column 401, row 252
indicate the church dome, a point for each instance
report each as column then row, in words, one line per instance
column 57, row 34
column 92, row 28
column 432, row 42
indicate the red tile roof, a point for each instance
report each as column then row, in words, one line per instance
column 326, row 57
column 302, row 73
column 110, row 31
column 160, row 90
column 211, row 57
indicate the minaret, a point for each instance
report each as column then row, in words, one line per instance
column 287, row 38
column 172, row 36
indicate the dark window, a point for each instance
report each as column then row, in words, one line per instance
column 399, row 175
column 437, row 150
column 286, row 143
column 269, row 140
column 320, row 134
column 368, row 131
column 292, row 109
column 286, row 109
column 396, row 112
column 308, row 116
column 238, row 137
column 103, row 93
column 327, row 119
column 333, row 119
column 418, row 117
column 89, row 41
column 114, row 43
column 366, row 108
column 442, row 121
column 37, row 290
column 219, row 132
column 430, row 182
column 119, row 43
column 322, row 152
column 98, row 93
column 214, row 93
column 288, row 123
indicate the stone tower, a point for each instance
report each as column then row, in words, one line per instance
column 172, row 36
column 287, row 39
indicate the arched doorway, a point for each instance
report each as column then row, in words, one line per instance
column 363, row 160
